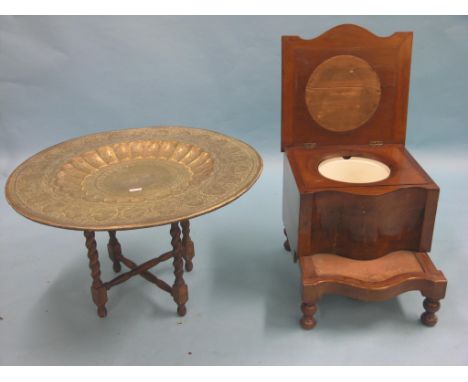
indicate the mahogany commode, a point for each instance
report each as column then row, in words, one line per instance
column 358, row 210
column 129, row 179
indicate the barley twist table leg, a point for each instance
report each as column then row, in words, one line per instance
column 187, row 244
column 179, row 289
column 98, row 291
column 114, row 250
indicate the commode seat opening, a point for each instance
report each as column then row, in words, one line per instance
column 354, row 169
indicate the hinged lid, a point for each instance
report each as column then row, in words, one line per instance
column 347, row 86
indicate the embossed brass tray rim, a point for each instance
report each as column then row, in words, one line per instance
column 11, row 197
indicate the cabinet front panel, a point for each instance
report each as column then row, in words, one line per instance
column 367, row 227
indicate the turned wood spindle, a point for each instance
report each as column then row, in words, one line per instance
column 98, row 291
column 115, row 251
column 308, row 310
column 187, row 244
column 179, row 288
column 429, row 317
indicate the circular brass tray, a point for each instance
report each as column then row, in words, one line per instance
column 132, row 178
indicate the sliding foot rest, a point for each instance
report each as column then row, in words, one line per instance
column 372, row 280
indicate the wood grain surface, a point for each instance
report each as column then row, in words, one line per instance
column 342, row 93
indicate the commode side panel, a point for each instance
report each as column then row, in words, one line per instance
column 367, row 227
column 291, row 204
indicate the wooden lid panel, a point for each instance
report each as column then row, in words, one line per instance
column 342, row 93
column 346, row 86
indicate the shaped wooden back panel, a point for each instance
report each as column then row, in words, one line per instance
column 347, row 86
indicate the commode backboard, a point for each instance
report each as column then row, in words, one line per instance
column 347, row 86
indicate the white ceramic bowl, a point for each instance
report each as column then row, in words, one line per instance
column 354, row 169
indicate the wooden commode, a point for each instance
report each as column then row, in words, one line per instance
column 358, row 210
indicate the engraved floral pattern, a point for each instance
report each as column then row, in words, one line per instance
column 67, row 185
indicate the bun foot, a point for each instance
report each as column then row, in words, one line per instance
column 307, row 321
column 429, row 317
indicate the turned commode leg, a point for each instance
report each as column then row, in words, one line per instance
column 98, row 291
column 308, row 310
column 429, row 317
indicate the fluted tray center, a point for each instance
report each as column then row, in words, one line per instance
column 131, row 171
column 141, row 178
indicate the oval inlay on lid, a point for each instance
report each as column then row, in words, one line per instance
column 342, row 93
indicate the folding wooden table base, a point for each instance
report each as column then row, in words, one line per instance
column 182, row 251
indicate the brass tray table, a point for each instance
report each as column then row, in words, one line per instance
column 129, row 179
